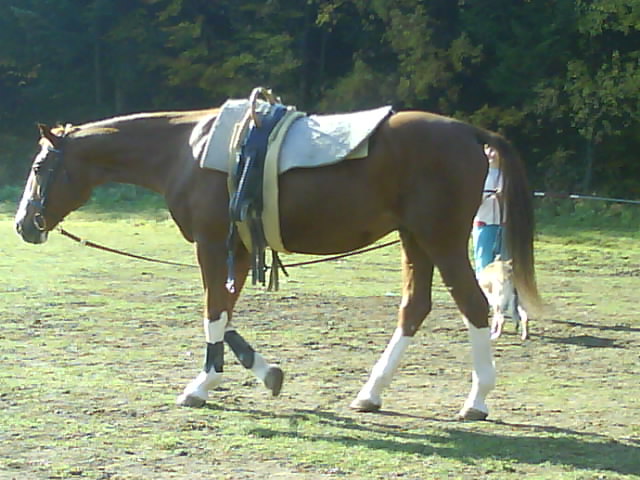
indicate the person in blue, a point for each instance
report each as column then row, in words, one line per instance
column 488, row 245
column 487, row 224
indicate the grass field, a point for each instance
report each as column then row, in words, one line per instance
column 95, row 348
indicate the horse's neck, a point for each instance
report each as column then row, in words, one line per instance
column 143, row 150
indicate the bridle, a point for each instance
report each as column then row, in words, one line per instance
column 44, row 171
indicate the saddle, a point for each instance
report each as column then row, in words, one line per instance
column 254, row 141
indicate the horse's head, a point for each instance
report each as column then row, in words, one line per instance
column 52, row 190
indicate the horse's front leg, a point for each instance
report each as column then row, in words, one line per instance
column 270, row 375
column 217, row 315
column 219, row 304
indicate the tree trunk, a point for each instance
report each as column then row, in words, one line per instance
column 306, row 55
column 97, row 70
column 588, row 172
column 119, row 92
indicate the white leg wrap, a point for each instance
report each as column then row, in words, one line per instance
column 260, row 366
column 484, row 372
column 197, row 391
column 385, row 367
column 199, row 387
column 214, row 330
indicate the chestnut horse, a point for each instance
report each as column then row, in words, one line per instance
column 423, row 177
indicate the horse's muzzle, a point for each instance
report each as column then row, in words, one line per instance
column 31, row 231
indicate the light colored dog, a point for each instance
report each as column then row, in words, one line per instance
column 496, row 281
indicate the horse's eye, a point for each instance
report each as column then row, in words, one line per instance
column 39, row 164
column 38, row 167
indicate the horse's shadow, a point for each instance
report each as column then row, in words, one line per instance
column 588, row 341
column 581, row 450
column 591, row 341
column 613, row 328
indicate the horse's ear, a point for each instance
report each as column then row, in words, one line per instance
column 46, row 132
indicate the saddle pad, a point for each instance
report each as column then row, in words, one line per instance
column 210, row 143
column 311, row 141
column 317, row 140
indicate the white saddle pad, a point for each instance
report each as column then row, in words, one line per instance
column 311, row 141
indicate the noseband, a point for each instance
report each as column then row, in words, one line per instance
column 43, row 182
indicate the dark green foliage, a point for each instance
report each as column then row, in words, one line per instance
column 559, row 77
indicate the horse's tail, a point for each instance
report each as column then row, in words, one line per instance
column 519, row 227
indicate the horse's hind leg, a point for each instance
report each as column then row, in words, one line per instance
column 459, row 277
column 417, row 275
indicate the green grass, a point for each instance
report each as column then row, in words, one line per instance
column 95, row 348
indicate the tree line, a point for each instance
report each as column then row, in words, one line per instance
column 560, row 78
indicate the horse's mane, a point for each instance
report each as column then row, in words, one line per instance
column 113, row 124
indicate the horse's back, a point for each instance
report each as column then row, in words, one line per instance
column 442, row 162
column 436, row 135
column 421, row 167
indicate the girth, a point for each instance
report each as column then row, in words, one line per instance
column 245, row 187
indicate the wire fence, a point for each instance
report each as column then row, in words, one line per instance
column 575, row 196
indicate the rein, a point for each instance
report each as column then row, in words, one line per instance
column 89, row 243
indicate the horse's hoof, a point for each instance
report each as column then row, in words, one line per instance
column 190, row 400
column 273, row 380
column 363, row 405
column 472, row 414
